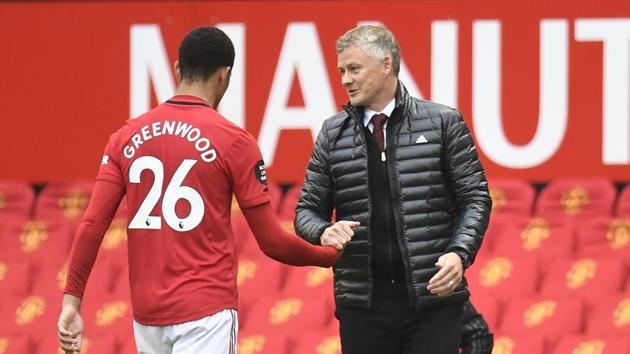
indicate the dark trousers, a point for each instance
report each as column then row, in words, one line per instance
column 392, row 326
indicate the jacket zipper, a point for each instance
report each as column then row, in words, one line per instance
column 369, row 217
column 389, row 155
column 388, row 211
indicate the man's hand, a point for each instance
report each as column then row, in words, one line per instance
column 70, row 325
column 448, row 277
column 339, row 234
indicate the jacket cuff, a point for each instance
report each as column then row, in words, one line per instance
column 463, row 255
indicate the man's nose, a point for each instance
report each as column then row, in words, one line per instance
column 346, row 79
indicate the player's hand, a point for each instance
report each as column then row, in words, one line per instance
column 70, row 330
column 448, row 277
column 339, row 234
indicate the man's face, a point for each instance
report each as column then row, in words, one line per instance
column 361, row 75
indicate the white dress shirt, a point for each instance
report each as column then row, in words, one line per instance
column 368, row 114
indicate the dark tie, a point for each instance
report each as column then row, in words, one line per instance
column 378, row 120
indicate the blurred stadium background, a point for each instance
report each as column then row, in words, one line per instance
column 544, row 87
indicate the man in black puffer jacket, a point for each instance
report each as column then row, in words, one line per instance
column 407, row 170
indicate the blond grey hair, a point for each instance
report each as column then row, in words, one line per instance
column 376, row 41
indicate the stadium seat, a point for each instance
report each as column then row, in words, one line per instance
column 15, row 278
column 515, row 344
column 324, row 341
column 309, row 280
column 108, row 314
column 503, row 277
column 494, row 231
column 536, row 237
column 15, row 344
column 66, row 200
column 588, row 278
column 92, row 344
column 31, row 315
column 511, row 197
column 16, row 200
column 35, row 240
column 576, row 197
column 610, row 316
column 259, row 343
column 623, row 203
column 593, row 345
column 50, row 279
column 488, row 307
column 257, row 277
column 274, row 314
column 603, row 237
column 289, row 203
column 547, row 316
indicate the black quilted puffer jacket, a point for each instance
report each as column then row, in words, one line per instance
column 438, row 187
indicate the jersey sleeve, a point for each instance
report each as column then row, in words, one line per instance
column 110, row 170
column 247, row 171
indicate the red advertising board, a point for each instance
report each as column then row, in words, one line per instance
column 542, row 84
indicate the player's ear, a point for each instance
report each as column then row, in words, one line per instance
column 176, row 69
column 225, row 73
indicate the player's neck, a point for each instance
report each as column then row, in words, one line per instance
column 196, row 90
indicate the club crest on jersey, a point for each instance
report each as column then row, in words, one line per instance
column 260, row 172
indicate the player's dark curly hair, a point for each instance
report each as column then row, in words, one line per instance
column 202, row 52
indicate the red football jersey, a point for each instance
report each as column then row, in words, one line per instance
column 180, row 164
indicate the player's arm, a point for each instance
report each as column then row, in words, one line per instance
column 283, row 246
column 106, row 197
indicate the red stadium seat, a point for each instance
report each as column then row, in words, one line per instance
column 309, row 280
column 108, row 314
column 511, row 197
column 509, row 344
column 536, row 237
column 34, row 240
column 66, row 200
column 324, row 341
column 16, row 200
column 503, row 277
column 258, row 343
column 592, row 345
column 575, row 197
column 603, row 237
column 92, row 344
column 289, row 203
column 610, row 316
column 15, row 344
column 487, row 306
column 623, row 203
column 50, row 280
column 289, row 314
column 33, row 315
column 589, row 278
column 257, row 276
column 15, row 278
column 495, row 228
column 550, row 317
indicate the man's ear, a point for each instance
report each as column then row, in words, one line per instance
column 387, row 65
column 176, row 69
